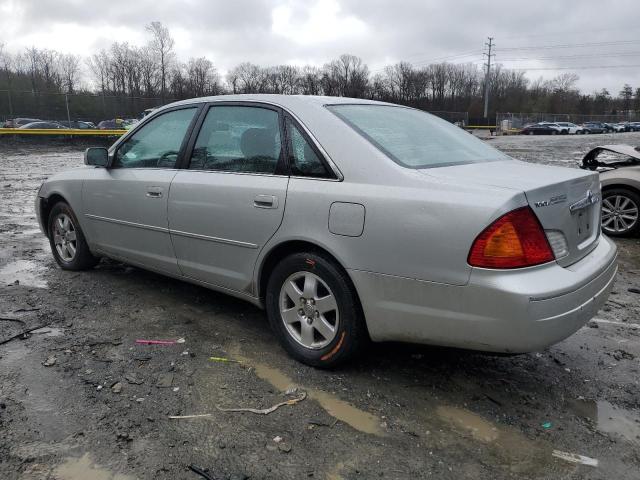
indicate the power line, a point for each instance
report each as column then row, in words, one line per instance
column 565, row 33
column 567, row 57
column 571, row 45
column 585, row 67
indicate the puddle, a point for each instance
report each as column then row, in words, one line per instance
column 505, row 445
column 334, row 406
column 478, row 427
column 84, row 469
column 25, row 271
column 609, row 418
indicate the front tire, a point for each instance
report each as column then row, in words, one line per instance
column 68, row 244
column 620, row 208
column 313, row 309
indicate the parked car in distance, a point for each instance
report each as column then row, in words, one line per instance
column 570, row 128
column 541, row 129
column 397, row 225
column 594, row 127
column 114, row 124
column 78, row 124
column 18, row 122
column 129, row 123
column 619, row 167
column 43, row 125
column 633, row 127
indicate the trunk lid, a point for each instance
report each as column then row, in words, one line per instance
column 566, row 201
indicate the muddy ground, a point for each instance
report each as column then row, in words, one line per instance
column 100, row 409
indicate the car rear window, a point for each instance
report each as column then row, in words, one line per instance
column 413, row 138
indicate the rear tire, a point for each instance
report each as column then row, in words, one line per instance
column 314, row 310
column 68, row 244
column 620, row 209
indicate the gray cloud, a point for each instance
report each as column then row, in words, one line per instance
column 283, row 31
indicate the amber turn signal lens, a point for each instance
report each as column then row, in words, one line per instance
column 514, row 240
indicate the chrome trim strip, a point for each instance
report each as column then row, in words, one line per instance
column 174, row 232
column 214, row 239
column 589, row 199
column 128, row 224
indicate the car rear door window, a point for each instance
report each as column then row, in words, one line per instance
column 238, row 139
column 304, row 161
column 157, row 143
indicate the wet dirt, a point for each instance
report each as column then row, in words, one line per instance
column 334, row 406
column 400, row 412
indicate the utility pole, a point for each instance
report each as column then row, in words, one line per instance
column 490, row 45
column 66, row 102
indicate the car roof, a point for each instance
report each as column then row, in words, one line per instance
column 286, row 101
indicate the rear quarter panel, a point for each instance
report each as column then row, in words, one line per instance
column 420, row 229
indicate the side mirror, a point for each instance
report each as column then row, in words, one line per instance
column 96, row 156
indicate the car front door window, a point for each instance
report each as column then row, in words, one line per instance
column 157, row 143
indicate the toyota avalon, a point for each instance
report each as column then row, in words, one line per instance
column 348, row 220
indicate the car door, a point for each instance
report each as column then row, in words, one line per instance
column 230, row 199
column 126, row 203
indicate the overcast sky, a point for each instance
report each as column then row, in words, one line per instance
column 381, row 32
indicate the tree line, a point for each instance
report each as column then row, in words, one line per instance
column 154, row 71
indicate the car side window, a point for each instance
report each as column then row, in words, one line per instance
column 238, row 139
column 156, row 144
column 303, row 159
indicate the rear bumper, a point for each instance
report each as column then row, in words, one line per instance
column 503, row 311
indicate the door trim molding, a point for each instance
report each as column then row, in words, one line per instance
column 227, row 241
column 128, row 224
column 198, row 236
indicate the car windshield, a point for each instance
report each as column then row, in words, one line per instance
column 413, row 138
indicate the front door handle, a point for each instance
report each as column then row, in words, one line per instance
column 265, row 201
column 154, row 192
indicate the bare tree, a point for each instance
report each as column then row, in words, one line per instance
column 202, row 78
column 626, row 94
column 99, row 66
column 70, row 70
column 162, row 44
column 247, row 78
column 311, row 81
column 148, row 70
column 347, row 76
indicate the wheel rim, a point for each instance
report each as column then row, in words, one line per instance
column 619, row 214
column 309, row 310
column 64, row 237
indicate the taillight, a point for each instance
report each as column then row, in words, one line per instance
column 514, row 240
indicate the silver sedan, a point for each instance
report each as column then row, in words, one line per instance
column 347, row 220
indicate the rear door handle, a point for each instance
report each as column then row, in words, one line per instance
column 265, row 201
column 154, row 192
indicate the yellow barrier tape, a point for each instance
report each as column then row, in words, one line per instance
column 61, row 131
column 492, row 127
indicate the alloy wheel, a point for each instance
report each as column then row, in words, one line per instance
column 64, row 237
column 619, row 214
column 309, row 310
